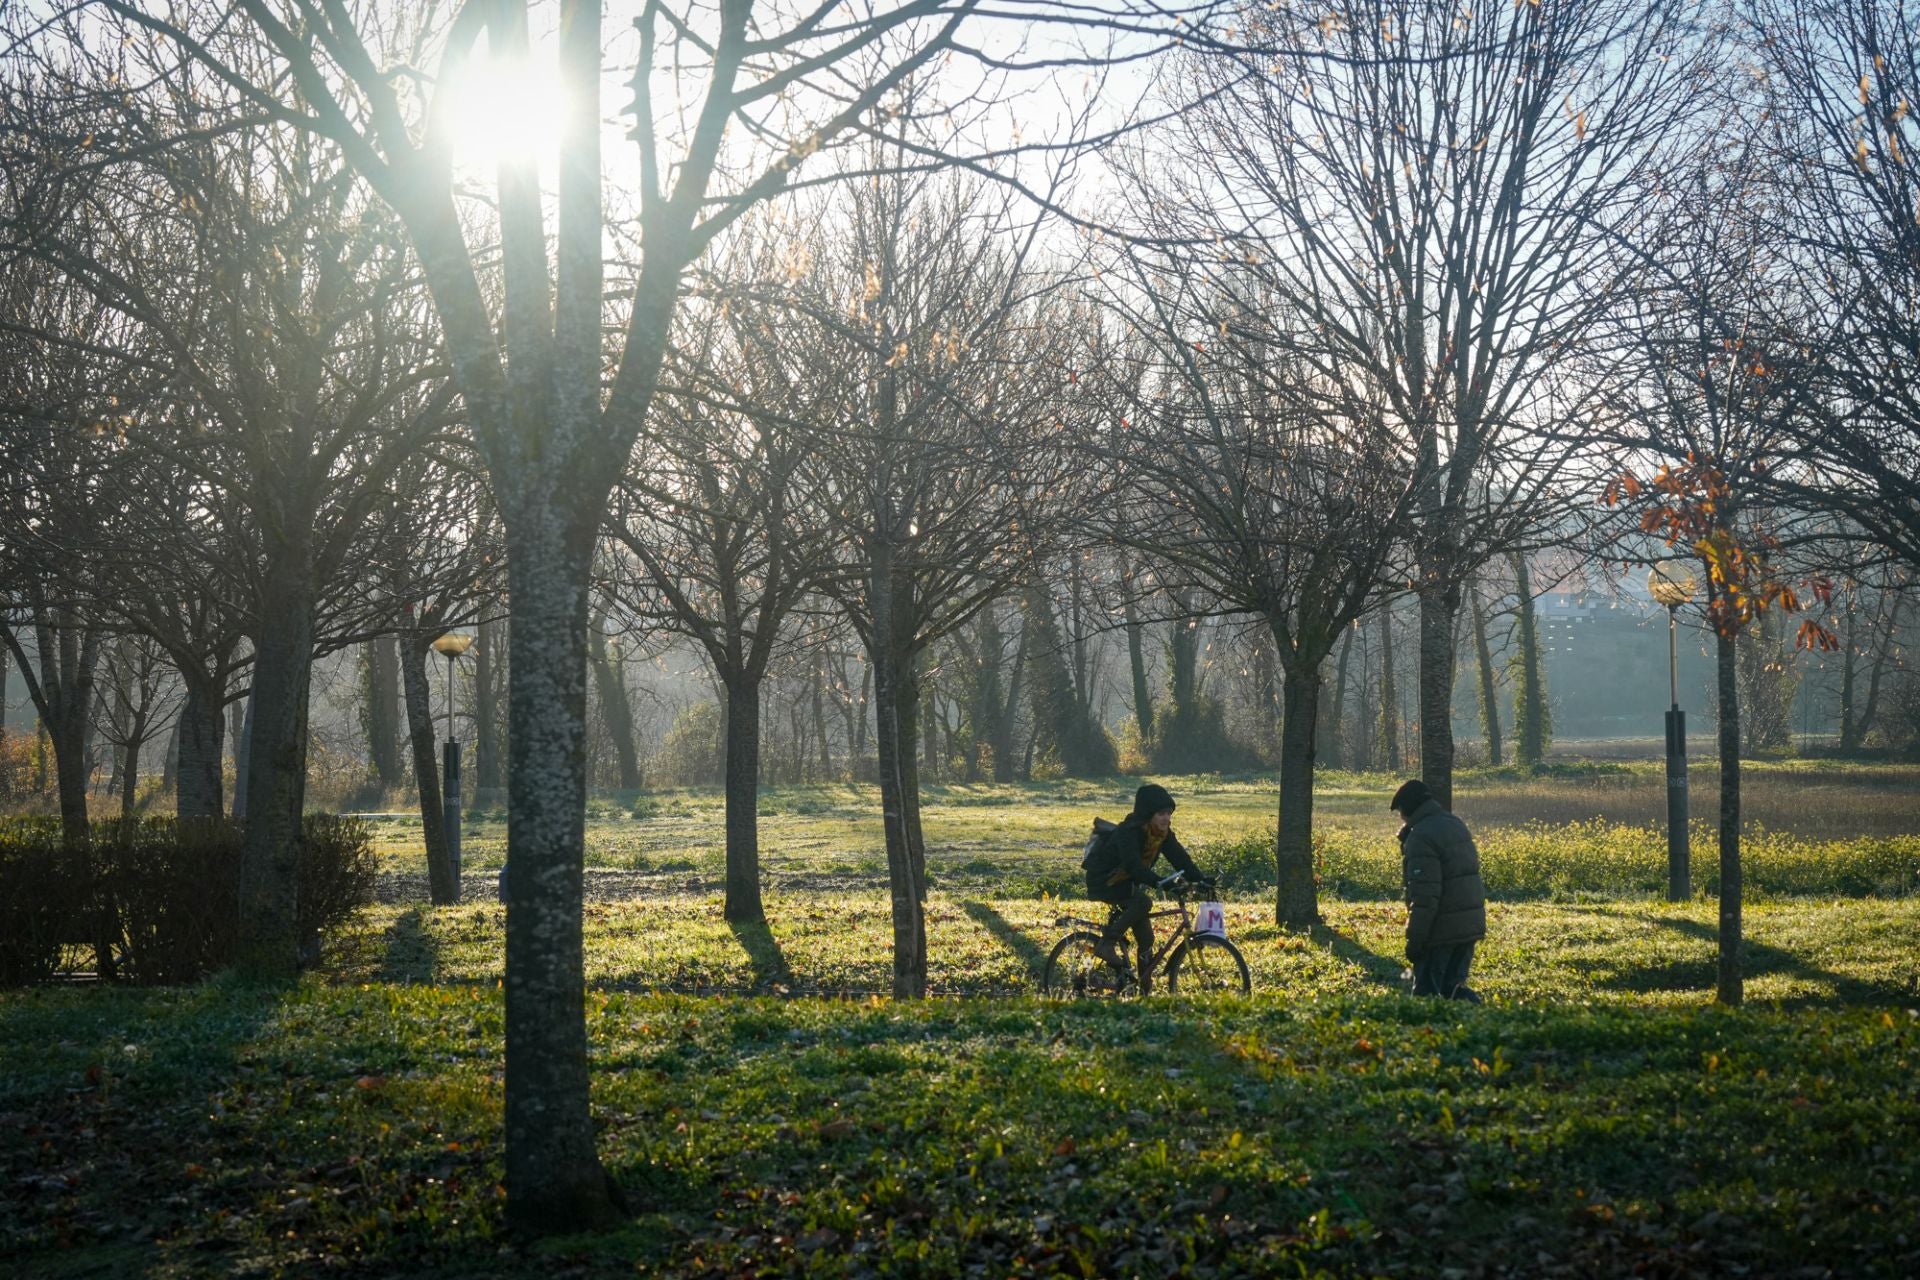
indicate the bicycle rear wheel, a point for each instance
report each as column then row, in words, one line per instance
column 1074, row 972
column 1207, row 965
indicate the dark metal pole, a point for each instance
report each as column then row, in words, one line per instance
column 450, row 789
column 1679, row 885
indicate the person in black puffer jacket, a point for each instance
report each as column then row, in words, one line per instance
column 1122, row 871
column 1446, row 902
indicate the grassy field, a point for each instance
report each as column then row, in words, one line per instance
column 1593, row 829
column 1802, row 953
column 767, row 1114
column 1596, row 1117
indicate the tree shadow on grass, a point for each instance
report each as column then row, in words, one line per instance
column 768, row 960
column 1762, row 960
column 1381, row 970
column 1031, row 953
column 411, row 954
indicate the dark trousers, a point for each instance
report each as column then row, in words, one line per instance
column 1131, row 907
column 1442, row 972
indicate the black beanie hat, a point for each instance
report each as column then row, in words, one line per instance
column 1412, row 794
column 1150, row 799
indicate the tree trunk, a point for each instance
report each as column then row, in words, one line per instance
column 383, row 711
column 170, row 762
column 1336, row 752
column 242, row 730
column 198, row 778
column 1438, row 607
column 1065, row 726
column 610, row 687
column 926, row 701
column 862, row 719
column 130, row 772
column 743, row 800
column 820, row 714
column 1889, row 639
column 413, row 656
column 237, row 711
column 1270, row 710
column 1006, row 709
column 1730, row 967
column 1489, row 690
column 1532, row 721
column 554, row 1178
column 1183, row 664
column 486, row 713
column 1389, row 734
column 63, row 695
column 1296, row 903
column 1137, row 664
column 276, row 766
column 893, row 696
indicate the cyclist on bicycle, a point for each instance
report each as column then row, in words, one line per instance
column 1122, row 871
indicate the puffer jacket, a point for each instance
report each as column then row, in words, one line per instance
column 1446, row 902
column 1121, row 861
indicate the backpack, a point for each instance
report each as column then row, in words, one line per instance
column 1098, row 852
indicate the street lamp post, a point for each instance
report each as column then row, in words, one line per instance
column 451, row 646
column 1673, row 585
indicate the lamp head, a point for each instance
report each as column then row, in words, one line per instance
column 452, row 644
column 1672, row 584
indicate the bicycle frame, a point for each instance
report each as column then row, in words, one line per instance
column 1174, row 938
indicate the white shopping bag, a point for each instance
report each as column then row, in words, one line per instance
column 1211, row 918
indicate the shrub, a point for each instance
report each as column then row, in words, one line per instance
column 691, row 753
column 336, row 872
column 169, row 890
column 39, row 895
column 173, row 887
column 1576, row 860
column 26, row 771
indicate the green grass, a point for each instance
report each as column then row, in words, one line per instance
column 1801, row 953
column 1576, row 830
column 768, row 1114
column 230, row 1130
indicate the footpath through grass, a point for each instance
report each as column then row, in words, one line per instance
column 1597, row 1118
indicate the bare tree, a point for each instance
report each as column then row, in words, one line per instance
column 1697, row 432
column 1275, row 491
column 140, row 700
column 1428, row 192
column 729, row 102
column 1839, row 85
column 275, row 300
column 933, row 464
column 712, row 516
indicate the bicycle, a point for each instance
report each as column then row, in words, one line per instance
column 1196, row 963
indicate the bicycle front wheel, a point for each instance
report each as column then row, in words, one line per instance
column 1074, row 972
column 1206, row 965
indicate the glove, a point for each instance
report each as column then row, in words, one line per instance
column 1414, row 952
